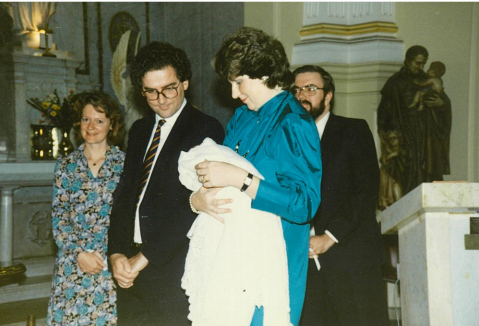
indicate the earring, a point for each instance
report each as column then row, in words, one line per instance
column 264, row 79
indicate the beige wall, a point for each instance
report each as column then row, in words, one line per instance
column 450, row 32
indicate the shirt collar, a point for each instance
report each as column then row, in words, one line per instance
column 321, row 124
column 171, row 120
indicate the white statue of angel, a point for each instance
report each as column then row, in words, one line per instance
column 121, row 84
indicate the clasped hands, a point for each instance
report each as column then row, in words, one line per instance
column 125, row 270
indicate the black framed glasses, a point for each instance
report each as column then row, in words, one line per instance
column 167, row 92
column 308, row 90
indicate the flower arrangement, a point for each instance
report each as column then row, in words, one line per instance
column 54, row 111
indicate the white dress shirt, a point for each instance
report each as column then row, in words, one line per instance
column 321, row 124
column 165, row 131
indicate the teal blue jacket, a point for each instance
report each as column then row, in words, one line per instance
column 282, row 142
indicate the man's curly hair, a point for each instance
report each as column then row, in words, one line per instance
column 250, row 51
column 157, row 56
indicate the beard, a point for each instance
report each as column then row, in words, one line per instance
column 315, row 111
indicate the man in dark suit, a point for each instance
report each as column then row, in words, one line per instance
column 151, row 213
column 345, row 236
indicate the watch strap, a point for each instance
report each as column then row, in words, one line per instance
column 247, row 182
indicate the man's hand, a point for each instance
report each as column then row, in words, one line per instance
column 91, row 263
column 138, row 262
column 319, row 244
column 122, row 271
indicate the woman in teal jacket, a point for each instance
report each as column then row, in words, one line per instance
column 275, row 133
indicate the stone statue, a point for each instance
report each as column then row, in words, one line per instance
column 393, row 165
column 414, row 126
column 433, row 84
column 30, row 16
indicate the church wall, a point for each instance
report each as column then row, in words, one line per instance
column 198, row 28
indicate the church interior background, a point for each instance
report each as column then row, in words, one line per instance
column 360, row 44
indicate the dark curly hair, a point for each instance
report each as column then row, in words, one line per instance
column 250, row 51
column 102, row 103
column 157, row 56
column 328, row 81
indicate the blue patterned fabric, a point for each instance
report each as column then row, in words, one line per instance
column 81, row 217
column 281, row 140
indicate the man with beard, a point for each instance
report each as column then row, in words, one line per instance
column 345, row 236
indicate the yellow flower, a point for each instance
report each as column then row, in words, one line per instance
column 45, row 105
column 56, row 107
column 53, row 114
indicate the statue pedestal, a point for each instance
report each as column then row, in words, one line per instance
column 438, row 276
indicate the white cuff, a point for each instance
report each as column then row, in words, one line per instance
column 331, row 236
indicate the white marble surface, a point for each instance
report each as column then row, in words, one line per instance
column 13, row 176
column 347, row 13
column 26, row 174
column 431, row 197
column 439, row 278
column 370, row 49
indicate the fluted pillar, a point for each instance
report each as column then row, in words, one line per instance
column 6, row 227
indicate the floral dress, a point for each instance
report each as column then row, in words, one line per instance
column 81, row 217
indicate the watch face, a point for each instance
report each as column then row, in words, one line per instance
column 120, row 23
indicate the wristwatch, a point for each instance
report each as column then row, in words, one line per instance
column 247, row 182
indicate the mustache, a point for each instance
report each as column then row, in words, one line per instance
column 307, row 103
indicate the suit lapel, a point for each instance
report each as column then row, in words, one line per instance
column 328, row 140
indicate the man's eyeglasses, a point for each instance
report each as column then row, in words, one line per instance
column 308, row 90
column 167, row 92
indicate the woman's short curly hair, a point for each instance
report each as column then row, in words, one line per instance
column 157, row 56
column 102, row 103
column 250, row 51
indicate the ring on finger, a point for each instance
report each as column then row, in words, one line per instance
column 202, row 179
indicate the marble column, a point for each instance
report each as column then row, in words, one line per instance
column 6, row 227
column 348, row 32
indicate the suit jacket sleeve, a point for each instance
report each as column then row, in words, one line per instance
column 120, row 232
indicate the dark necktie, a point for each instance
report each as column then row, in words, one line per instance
column 149, row 159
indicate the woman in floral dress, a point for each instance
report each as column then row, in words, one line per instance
column 83, row 292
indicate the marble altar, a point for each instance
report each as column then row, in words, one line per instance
column 439, row 278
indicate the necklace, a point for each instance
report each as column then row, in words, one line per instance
column 237, row 147
column 95, row 162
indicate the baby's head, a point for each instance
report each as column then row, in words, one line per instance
column 436, row 69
